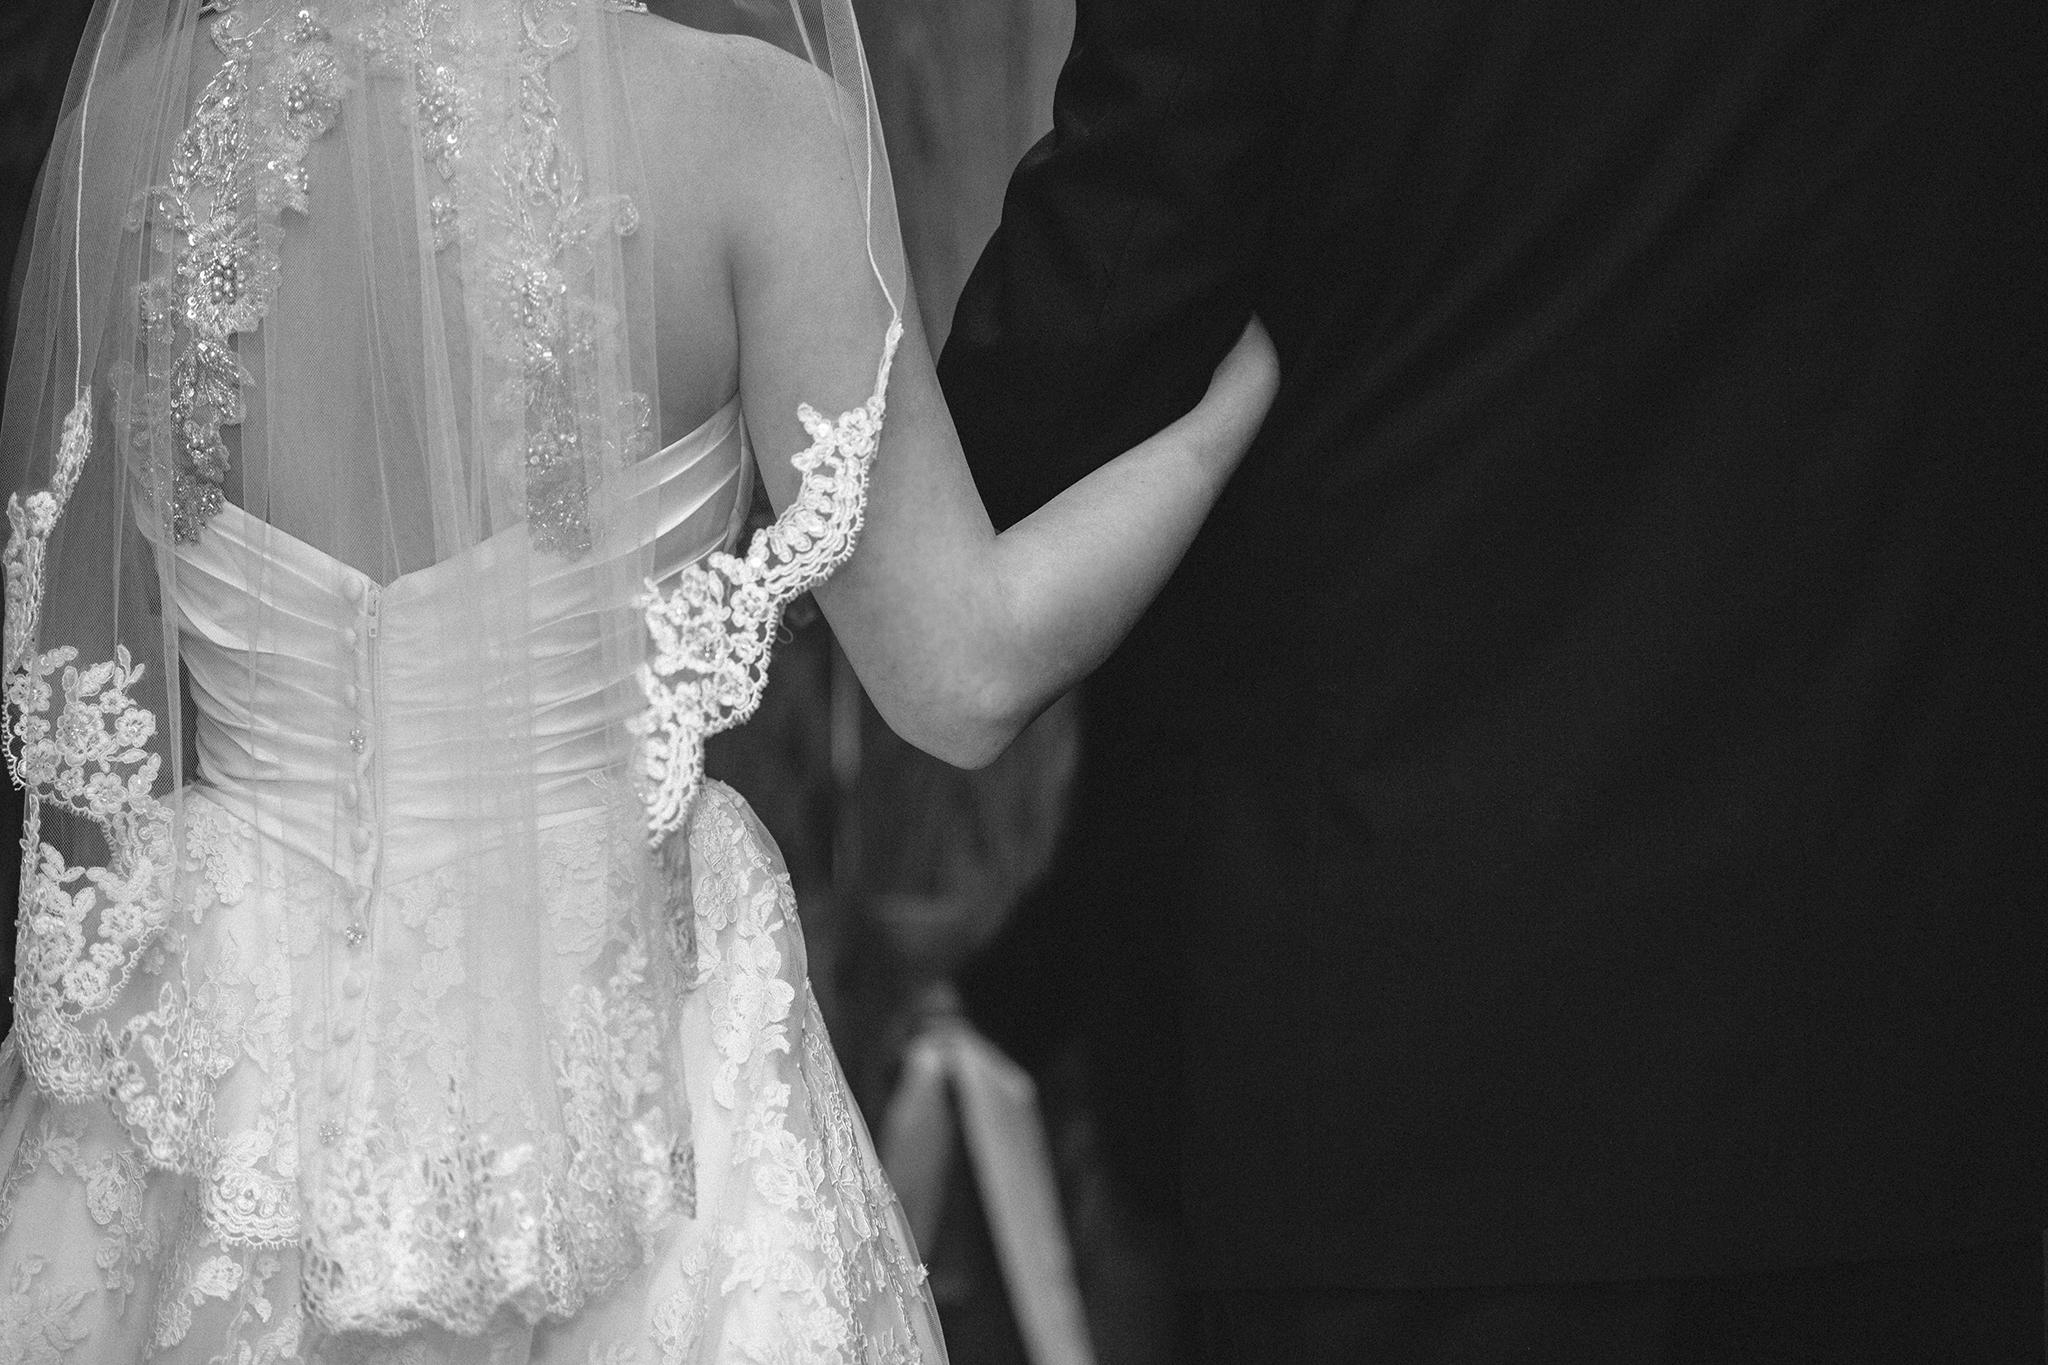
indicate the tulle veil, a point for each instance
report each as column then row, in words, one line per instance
column 366, row 275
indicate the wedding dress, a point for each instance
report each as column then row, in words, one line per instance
column 793, row 1214
column 391, row 986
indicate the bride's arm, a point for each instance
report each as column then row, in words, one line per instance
column 961, row 636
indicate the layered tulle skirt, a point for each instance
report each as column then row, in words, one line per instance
column 796, row 1251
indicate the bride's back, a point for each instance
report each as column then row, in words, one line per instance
column 347, row 431
column 466, row 292
column 746, row 149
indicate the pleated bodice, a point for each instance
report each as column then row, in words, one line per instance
column 384, row 729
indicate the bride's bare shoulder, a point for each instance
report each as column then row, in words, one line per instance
column 723, row 101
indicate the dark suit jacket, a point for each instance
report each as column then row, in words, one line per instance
column 1577, row 811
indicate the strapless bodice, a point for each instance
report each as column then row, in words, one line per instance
column 356, row 721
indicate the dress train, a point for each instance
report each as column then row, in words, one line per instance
column 797, row 1251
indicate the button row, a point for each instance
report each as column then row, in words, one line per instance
column 358, row 694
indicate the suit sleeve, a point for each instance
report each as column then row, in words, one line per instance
column 1123, row 266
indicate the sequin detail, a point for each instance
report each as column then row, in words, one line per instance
column 563, row 414
column 237, row 168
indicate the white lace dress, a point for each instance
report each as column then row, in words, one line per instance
column 796, row 1251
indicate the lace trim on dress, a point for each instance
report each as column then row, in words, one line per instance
column 845, row 1288
column 434, row 1223
column 797, row 1258
column 713, row 632
column 41, row 1323
column 81, row 930
column 454, row 1205
column 237, row 167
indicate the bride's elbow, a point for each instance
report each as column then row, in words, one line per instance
column 967, row 749
column 966, row 726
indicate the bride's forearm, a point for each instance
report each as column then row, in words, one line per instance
column 960, row 636
column 1044, row 603
column 1017, row 619
column 1076, row 574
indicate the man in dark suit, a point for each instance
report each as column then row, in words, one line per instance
column 1558, row 875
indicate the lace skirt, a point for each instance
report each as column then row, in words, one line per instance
column 797, row 1252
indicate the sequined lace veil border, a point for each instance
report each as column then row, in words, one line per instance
column 82, row 741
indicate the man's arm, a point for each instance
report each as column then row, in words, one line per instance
column 1122, row 270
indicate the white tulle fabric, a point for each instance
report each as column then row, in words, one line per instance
column 389, row 985
column 796, row 1250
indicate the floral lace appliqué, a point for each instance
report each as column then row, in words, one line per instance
column 82, row 930
column 40, row 1324
column 514, row 200
column 820, row 1235
column 239, row 165
column 444, row 1200
column 713, row 632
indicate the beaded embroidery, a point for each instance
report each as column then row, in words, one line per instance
column 86, row 929
column 514, row 201
column 238, row 166
column 546, row 1247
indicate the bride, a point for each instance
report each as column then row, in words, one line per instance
column 387, row 394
